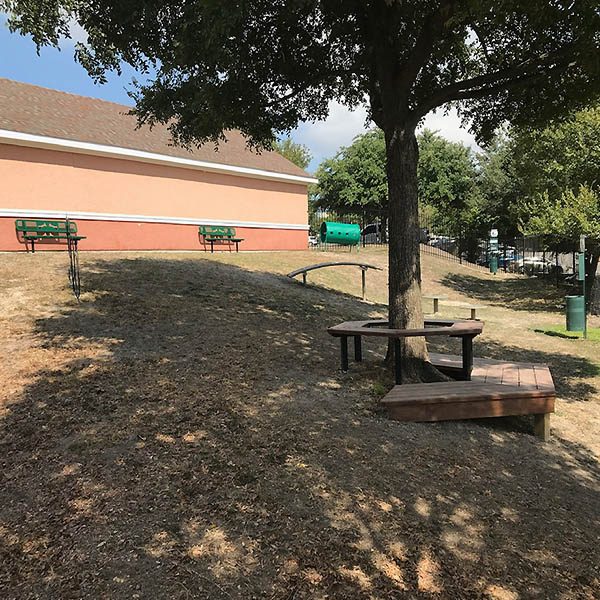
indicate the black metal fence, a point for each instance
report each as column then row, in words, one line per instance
column 373, row 227
column 452, row 240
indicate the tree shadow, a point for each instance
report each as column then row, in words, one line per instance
column 191, row 437
column 516, row 293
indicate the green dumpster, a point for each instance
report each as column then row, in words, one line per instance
column 347, row 234
column 575, row 313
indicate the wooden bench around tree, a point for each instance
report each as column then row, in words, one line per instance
column 481, row 387
column 363, row 268
column 466, row 330
column 47, row 231
column 219, row 235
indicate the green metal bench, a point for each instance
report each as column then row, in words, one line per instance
column 219, row 235
column 43, row 230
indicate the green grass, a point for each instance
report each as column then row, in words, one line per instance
column 593, row 334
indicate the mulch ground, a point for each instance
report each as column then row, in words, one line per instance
column 184, row 432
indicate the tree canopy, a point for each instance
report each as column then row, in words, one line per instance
column 354, row 179
column 297, row 153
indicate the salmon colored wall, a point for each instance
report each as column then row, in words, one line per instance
column 121, row 235
column 40, row 179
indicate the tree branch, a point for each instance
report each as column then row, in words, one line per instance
column 479, row 86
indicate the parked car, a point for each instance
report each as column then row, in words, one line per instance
column 532, row 264
column 372, row 233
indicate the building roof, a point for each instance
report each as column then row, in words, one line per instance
column 38, row 111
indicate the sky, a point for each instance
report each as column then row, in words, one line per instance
column 58, row 69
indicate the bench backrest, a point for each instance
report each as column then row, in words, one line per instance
column 44, row 227
column 218, row 231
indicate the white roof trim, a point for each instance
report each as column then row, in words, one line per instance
column 39, row 141
column 23, row 213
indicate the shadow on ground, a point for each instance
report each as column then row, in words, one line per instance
column 527, row 294
column 195, row 441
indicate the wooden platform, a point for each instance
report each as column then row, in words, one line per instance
column 497, row 389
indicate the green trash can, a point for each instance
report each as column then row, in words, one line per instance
column 575, row 313
column 494, row 263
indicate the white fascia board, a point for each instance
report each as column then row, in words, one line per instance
column 39, row 141
column 25, row 213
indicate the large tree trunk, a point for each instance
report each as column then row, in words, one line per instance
column 405, row 305
column 591, row 281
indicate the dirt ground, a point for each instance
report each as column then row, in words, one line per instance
column 184, row 432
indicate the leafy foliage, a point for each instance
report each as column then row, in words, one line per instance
column 446, row 173
column 561, row 156
column 263, row 66
column 354, row 179
column 297, row 153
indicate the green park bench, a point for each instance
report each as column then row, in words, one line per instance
column 46, row 231
column 219, row 235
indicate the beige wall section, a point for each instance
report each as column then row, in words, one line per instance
column 39, row 179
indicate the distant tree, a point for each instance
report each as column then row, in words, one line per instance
column 499, row 188
column 265, row 66
column 446, row 180
column 558, row 170
column 559, row 157
column 354, row 180
column 563, row 220
column 297, row 153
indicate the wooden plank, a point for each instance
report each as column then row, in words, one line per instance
column 471, row 410
column 527, row 376
column 510, row 374
column 457, row 391
column 494, row 373
column 543, row 377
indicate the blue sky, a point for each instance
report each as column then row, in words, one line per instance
column 57, row 69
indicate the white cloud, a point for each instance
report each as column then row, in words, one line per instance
column 449, row 126
column 324, row 138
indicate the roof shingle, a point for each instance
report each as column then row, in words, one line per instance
column 41, row 111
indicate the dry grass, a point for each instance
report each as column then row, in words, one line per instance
column 185, row 433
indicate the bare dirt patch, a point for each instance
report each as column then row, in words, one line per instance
column 184, row 433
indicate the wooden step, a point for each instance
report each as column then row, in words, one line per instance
column 498, row 389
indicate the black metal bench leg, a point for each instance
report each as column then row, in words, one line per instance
column 344, row 352
column 32, row 246
column 212, row 247
column 357, row 348
column 398, row 361
column 467, row 357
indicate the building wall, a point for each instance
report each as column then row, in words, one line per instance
column 122, row 204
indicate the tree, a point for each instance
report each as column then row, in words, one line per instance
column 297, row 153
column 561, row 156
column 354, row 179
column 446, row 173
column 564, row 220
column 499, row 188
column 559, row 174
column 263, row 66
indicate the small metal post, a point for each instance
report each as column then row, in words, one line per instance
column 436, row 305
column 364, row 282
column 304, row 278
column 344, row 352
column 357, row 348
column 398, row 361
